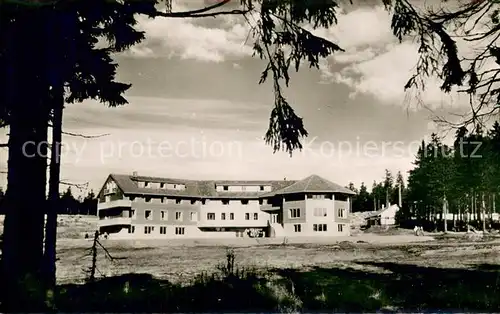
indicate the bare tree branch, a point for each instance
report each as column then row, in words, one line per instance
column 203, row 12
column 85, row 136
column 80, row 186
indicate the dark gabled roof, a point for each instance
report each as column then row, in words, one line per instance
column 207, row 188
column 194, row 188
column 312, row 184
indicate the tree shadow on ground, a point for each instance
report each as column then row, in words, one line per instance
column 401, row 287
column 143, row 293
column 398, row 287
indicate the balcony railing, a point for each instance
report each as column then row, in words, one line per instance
column 114, row 220
column 115, row 203
column 110, row 191
column 269, row 207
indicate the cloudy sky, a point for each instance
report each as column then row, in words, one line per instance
column 196, row 110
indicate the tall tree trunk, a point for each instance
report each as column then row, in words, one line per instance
column 445, row 213
column 469, row 212
column 494, row 206
column 387, row 198
column 483, row 212
column 54, row 198
column 25, row 200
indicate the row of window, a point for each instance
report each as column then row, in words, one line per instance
column 318, row 212
column 181, row 230
column 163, row 230
column 148, row 215
column 242, row 188
column 211, row 216
column 318, row 227
column 163, row 185
column 193, row 201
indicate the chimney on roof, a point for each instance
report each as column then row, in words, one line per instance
column 134, row 174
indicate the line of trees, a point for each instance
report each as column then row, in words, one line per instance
column 462, row 180
column 457, row 183
column 383, row 193
column 77, row 206
column 68, row 204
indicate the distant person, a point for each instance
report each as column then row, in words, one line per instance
column 421, row 230
column 86, row 235
column 416, row 230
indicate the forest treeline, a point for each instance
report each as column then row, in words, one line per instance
column 69, row 205
column 461, row 180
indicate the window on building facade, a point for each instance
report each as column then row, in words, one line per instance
column 244, row 202
column 210, row 216
column 340, row 228
column 162, row 185
column 178, row 201
column 179, row 230
column 231, row 216
column 341, row 212
column 147, row 199
column 193, row 216
column 320, row 227
column 146, row 184
column 163, row 230
column 247, row 216
column 148, row 229
column 318, row 196
column 262, row 188
column 297, row 228
column 178, row 215
column 294, row 212
column 164, row 215
column 132, row 214
column 320, row 212
column 131, row 229
column 226, row 188
column 223, row 216
column 225, row 202
column 255, row 216
column 148, row 215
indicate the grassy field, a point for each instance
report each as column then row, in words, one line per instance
column 365, row 274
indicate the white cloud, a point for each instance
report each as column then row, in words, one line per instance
column 203, row 39
column 376, row 64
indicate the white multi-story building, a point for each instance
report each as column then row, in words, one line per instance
column 133, row 206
